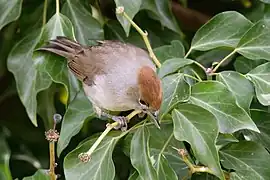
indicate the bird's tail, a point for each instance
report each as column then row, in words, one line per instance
column 63, row 47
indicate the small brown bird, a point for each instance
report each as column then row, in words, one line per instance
column 115, row 76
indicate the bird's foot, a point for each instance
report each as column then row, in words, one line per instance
column 122, row 122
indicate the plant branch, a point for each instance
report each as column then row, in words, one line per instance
column 44, row 19
column 144, row 34
column 85, row 157
column 52, row 161
column 189, row 51
column 222, row 61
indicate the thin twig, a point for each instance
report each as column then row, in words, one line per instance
column 144, row 34
column 222, row 61
column 52, row 161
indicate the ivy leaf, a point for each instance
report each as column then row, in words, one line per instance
column 220, row 31
column 261, row 119
column 260, row 76
column 240, row 87
column 139, row 154
column 199, row 128
column 134, row 176
column 175, row 90
column 132, row 7
column 40, row 174
column 255, row 44
column 161, row 145
column 172, row 65
column 244, row 65
column 101, row 160
column 161, row 9
column 217, row 99
column 248, row 159
column 164, row 171
column 266, row 1
column 224, row 139
column 78, row 111
column 56, row 66
column 175, row 50
column 86, row 27
column 9, row 11
column 29, row 81
column 4, row 159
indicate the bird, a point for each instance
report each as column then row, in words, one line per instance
column 115, row 76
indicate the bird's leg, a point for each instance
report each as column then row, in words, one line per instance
column 122, row 120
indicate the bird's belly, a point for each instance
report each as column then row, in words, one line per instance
column 110, row 94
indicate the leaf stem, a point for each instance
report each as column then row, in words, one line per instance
column 200, row 65
column 189, row 51
column 222, row 61
column 52, row 161
column 197, row 75
column 44, row 19
column 192, row 77
column 144, row 34
column 85, row 157
column 57, row 7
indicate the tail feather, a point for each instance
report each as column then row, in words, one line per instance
column 63, row 47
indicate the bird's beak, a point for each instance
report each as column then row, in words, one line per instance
column 153, row 118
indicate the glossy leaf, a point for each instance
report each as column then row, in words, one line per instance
column 244, row 65
column 86, row 27
column 175, row 50
column 173, row 65
column 260, row 76
column 216, row 98
column 132, row 7
column 139, row 154
column 261, row 118
column 56, row 66
column 161, row 145
column 101, row 160
column 203, row 125
column 240, row 87
column 29, row 81
column 9, row 11
column 4, row 159
column 164, row 171
column 221, row 31
column 78, row 111
column 255, row 44
column 248, row 159
column 41, row 174
column 162, row 10
column 224, row 139
column 175, row 90
column 266, row 1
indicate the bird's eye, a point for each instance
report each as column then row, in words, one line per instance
column 143, row 103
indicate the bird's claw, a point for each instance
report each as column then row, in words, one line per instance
column 122, row 122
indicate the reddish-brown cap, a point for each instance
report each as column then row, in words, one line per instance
column 150, row 87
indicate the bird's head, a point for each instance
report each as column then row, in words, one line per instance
column 150, row 91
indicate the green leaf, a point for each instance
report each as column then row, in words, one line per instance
column 40, row 174
column 46, row 107
column 164, row 171
column 248, row 159
column 139, row 154
column 260, row 76
column 4, row 159
column 173, row 65
column 86, row 27
column 78, row 111
column 199, row 128
column 266, row 1
column 221, row 31
column 175, row 50
column 255, row 44
column 240, row 87
column 261, row 119
column 134, row 176
column 100, row 167
column 29, row 81
column 175, row 90
column 9, row 11
column 132, row 7
column 162, row 10
column 216, row 98
column 244, row 65
column 56, row 66
column 224, row 139
column 161, row 145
